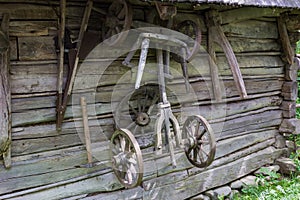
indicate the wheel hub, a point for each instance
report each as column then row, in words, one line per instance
column 142, row 119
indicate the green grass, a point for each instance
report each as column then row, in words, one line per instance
column 272, row 185
column 298, row 99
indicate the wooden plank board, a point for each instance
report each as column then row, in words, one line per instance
column 201, row 89
column 225, row 128
column 69, row 161
column 5, row 93
column 32, row 49
column 30, row 11
column 180, row 185
column 246, row 13
column 31, row 28
column 252, row 29
column 181, row 189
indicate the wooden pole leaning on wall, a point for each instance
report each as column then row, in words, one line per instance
column 61, row 39
column 216, row 35
column 5, row 93
column 86, row 130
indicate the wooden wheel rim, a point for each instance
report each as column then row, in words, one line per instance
column 111, row 32
column 133, row 148
column 195, row 152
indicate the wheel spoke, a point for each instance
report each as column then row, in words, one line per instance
column 130, row 125
column 195, row 152
column 202, row 150
column 132, row 108
column 121, row 14
column 200, row 156
column 122, row 143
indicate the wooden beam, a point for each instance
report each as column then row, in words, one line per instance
column 284, row 37
column 5, row 100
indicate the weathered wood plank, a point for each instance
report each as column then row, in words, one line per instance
column 252, row 29
column 5, row 93
column 32, row 49
column 246, row 13
column 225, row 128
column 181, row 189
column 103, row 179
column 201, row 89
column 30, row 11
column 31, row 28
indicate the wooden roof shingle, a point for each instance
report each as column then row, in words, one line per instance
column 258, row 3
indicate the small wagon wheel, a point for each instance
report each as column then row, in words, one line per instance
column 199, row 140
column 191, row 29
column 127, row 159
column 118, row 20
column 137, row 111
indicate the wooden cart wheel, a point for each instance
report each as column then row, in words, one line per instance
column 127, row 159
column 199, row 141
column 118, row 20
column 137, row 111
column 191, row 29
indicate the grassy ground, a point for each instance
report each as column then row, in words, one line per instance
column 274, row 186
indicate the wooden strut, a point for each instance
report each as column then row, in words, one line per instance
column 216, row 35
column 73, row 65
column 5, row 95
column 86, row 129
column 284, row 37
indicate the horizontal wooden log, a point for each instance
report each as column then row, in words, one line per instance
column 201, row 90
column 33, row 48
column 182, row 189
column 245, row 13
column 223, row 128
column 251, row 29
column 36, row 75
column 31, row 28
column 104, row 178
column 19, row 11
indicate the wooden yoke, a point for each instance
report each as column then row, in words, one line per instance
column 5, row 94
column 73, row 65
column 216, row 35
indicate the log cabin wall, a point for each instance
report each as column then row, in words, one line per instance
column 47, row 164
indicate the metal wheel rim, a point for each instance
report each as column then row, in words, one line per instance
column 129, row 176
column 193, row 152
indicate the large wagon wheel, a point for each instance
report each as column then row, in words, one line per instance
column 118, row 20
column 127, row 159
column 137, row 111
column 199, row 139
column 191, row 29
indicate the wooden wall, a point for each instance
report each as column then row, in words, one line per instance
column 47, row 163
